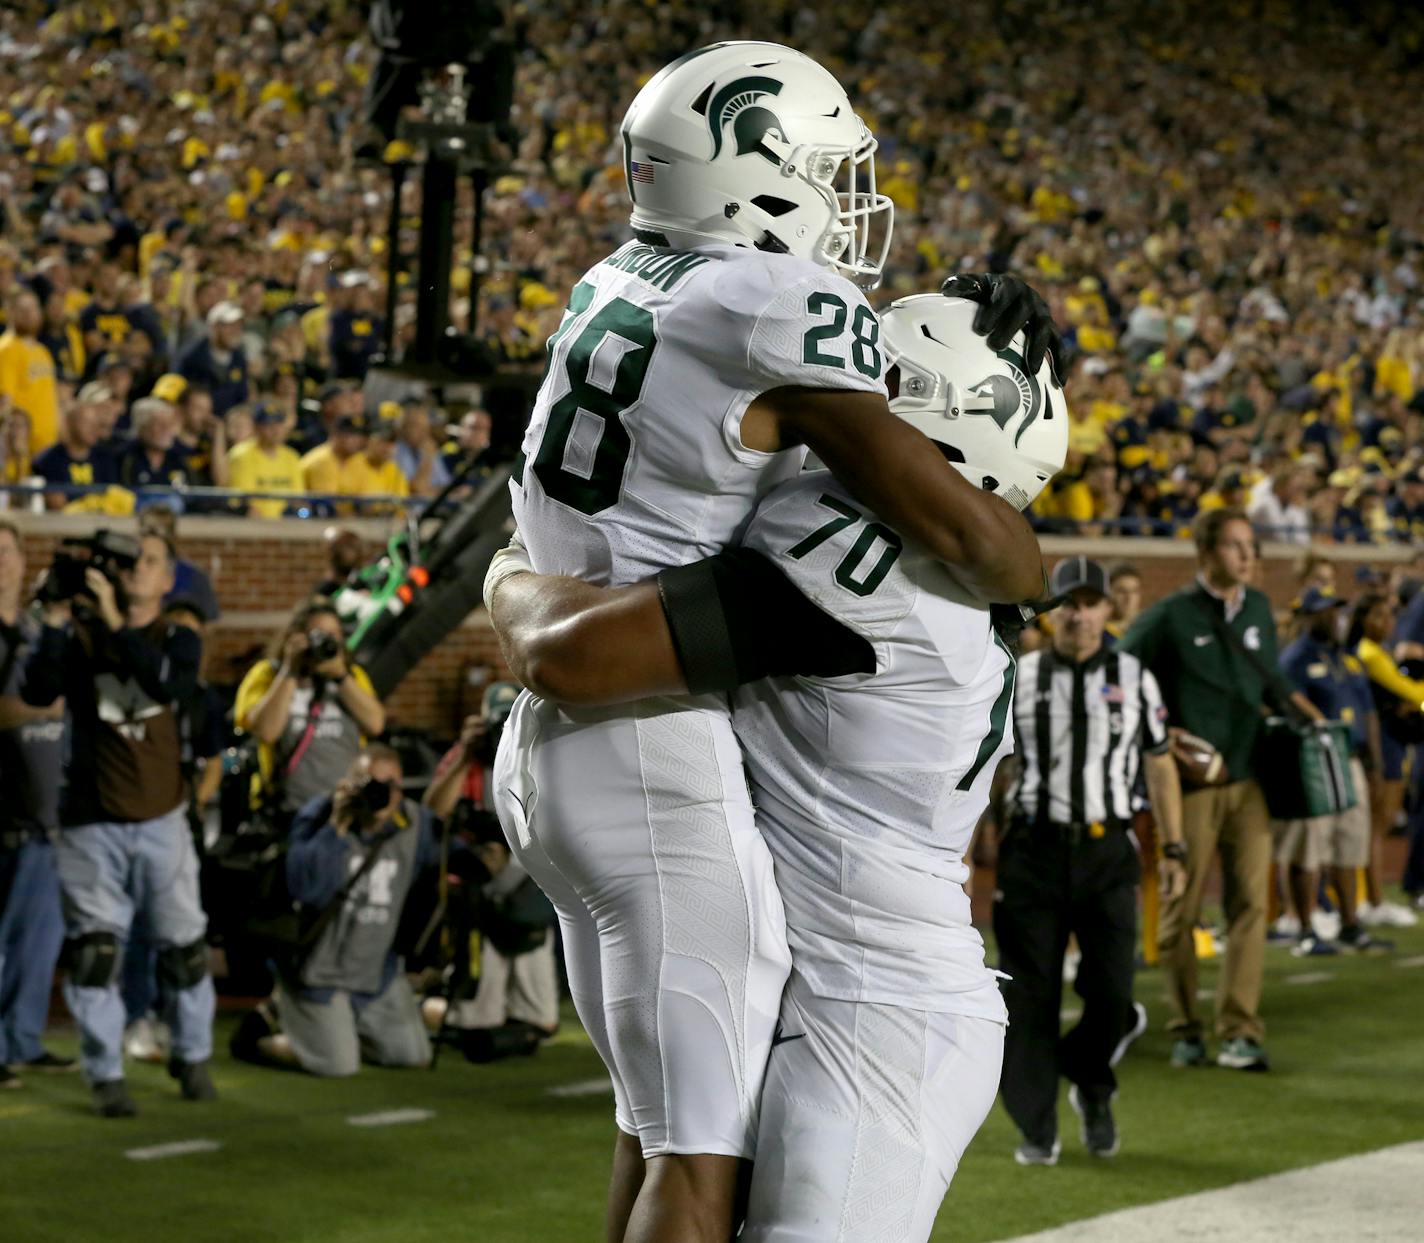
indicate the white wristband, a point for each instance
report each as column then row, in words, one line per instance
column 510, row 560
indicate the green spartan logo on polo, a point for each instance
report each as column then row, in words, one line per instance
column 1010, row 396
column 736, row 104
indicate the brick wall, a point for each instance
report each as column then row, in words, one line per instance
column 261, row 570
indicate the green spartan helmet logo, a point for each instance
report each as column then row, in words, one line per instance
column 736, row 103
column 1022, row 392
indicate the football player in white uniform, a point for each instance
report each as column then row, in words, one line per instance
column 867, row 784
column 690, row 369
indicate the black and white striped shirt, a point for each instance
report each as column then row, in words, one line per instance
column 1086, row 727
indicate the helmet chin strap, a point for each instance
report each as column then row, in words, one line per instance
column 768, row 241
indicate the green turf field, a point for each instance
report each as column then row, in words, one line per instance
column 503, row 1161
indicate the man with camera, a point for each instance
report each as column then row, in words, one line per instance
column 309, row 707
column 351, row 863
column 31, row 927
column 516, row 1003
column 125, row 850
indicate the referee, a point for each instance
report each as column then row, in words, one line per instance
column 1086, row 718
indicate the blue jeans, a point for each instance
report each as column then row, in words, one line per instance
column 109, row 873
column 31, row 933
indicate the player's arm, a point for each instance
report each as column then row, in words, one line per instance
column 896, row 472
column 709, row 626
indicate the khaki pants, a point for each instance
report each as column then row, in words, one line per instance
column 1232, row 820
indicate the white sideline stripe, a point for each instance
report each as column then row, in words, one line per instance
column 180, row 1149
column 1310, row 977
column 583, row 1087
column 390, row 1117
column 1363, row 1198
column 1416, row 961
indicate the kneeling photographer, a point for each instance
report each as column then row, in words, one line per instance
column 125, row 851
column 352, row 861
column 515, row 1001
column 310, row 710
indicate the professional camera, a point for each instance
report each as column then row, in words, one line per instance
column 372, row 798
column 321, row 647
column 108, row 552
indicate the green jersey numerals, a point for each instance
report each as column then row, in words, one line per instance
column 599, row 484
column 864, row 332
column 847, row 573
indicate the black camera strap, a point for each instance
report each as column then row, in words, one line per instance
column 330, row 911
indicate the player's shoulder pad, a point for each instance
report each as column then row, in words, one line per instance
column 803, row 324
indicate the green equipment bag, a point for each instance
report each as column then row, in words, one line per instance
column 1304, row 768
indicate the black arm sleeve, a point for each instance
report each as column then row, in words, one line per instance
column 736, row 618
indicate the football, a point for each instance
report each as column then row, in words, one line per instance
column 1200, row 762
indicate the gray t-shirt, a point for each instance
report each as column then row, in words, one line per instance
column 31, row 757
column 351, row 953
column 324, row 761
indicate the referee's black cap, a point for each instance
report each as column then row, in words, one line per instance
column 1074, row 573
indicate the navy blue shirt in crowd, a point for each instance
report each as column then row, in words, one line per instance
column 226, row 381
column 1334, row 681
column 136, row 471
column 353, row 339
column 57, row 465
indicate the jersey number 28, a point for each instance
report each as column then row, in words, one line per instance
column 579, row 464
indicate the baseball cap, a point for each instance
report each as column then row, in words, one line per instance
column 263, row 412
column 170, row 386
column 225, row 313
column 1318, row 600
column 1073, row 573
column 499, row 698
column 351, row 423
column 112, row 362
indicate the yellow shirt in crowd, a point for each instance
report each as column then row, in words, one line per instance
column 252, row 469
column 27, row 379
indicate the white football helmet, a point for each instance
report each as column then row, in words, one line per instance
column 1006, row 431
column 743, row 143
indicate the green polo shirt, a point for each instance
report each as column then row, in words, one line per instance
column 1209, row 688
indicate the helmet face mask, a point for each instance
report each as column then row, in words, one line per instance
column 756, row 144
column 1006, row 430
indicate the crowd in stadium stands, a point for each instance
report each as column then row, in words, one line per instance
column 1230, row 236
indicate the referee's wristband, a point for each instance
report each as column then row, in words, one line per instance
column 1176, row 851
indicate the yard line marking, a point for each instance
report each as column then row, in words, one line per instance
column 1353, row 1197
column 390, row 1117
column 583, row 1087
column 1310, row 977
column 1205, row 994
column 1416, row 961
column 181, row 1148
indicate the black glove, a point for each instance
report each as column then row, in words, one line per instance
column 1006, row 306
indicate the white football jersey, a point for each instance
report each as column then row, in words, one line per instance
column 633, row 460
column 868, row 787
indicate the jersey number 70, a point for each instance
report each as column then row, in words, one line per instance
column 602, row 385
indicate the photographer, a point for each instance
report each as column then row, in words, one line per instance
column 353, row 857
column 516, row 1004
column 125, row 850
column 31, row 926
column 310, row 709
